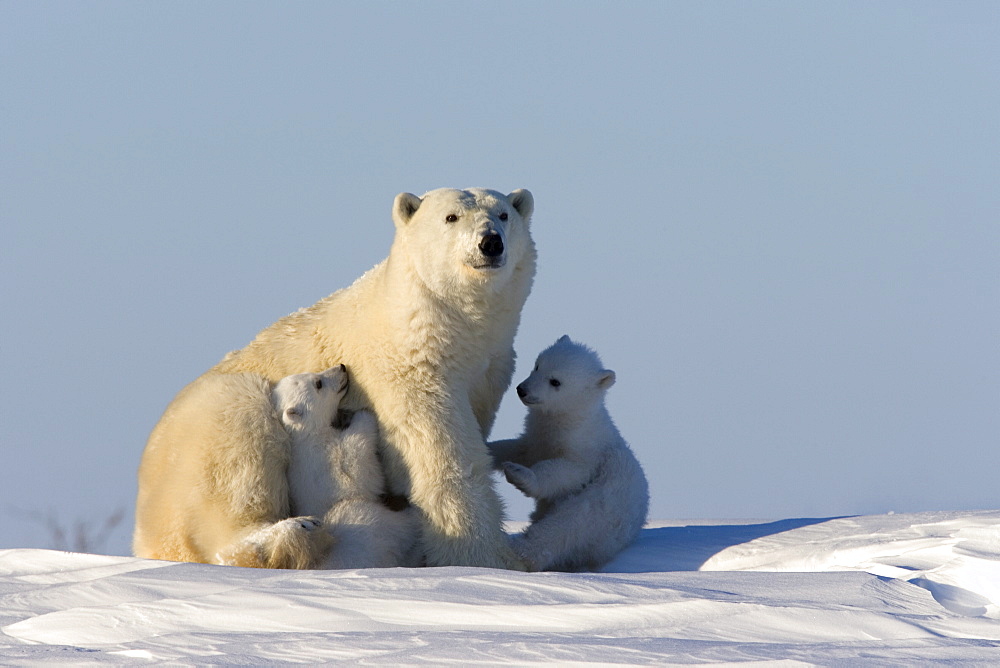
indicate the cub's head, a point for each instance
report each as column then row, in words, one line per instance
column 309, row 401
column 454, row 237
column 567, row 377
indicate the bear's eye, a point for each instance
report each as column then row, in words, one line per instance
column 554, row 383
column 319, row 384
column 503, row 216
column 451, row 218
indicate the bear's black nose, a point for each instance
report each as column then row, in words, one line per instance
column 491, row 245
column 521, row 391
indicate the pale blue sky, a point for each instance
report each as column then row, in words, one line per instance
column 778, row 222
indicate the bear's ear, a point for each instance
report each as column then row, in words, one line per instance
column 293, row 414
column 606, row 379
column 523, row 201
column 564, row 339
column 403, row 208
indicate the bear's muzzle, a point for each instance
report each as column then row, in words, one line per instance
column 492, row 245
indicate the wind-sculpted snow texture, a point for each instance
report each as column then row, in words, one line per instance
column 889, row 589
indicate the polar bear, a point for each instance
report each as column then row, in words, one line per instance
column 334, row 473
column 591, row 494
column 428, row 336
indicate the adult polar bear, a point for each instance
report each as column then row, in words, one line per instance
column 427, row 336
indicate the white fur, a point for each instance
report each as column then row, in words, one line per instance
column 591, row 494
column 334, row 473
column 428, row 336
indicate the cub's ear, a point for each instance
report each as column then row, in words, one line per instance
column 523, row 201
column 293, row 414
column 403, row 208
column 606, row 379
column 564, row 339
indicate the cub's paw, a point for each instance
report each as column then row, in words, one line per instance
column 342, row 420
column 521, row 477
column 519, row 545
column 363, row 422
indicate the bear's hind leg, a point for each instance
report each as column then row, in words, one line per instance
column 213, row 480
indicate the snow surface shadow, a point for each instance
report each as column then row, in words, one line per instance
column 686, row 548
column 955, row 599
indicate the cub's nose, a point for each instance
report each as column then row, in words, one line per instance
column 521, row 391
column 491, row 245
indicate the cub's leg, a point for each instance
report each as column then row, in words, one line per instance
column 369, row 535
column 561, row 540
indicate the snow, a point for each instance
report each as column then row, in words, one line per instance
column 887, row 589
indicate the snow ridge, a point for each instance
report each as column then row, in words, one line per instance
column 891, row 589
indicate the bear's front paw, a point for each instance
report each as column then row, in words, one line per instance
column 521, row 477
column 307, row 524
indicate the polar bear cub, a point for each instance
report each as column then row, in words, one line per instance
column 334, row 473
column 591, row 496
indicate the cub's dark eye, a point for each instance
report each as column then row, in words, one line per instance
column 318, row 384
column 503, row 216
column 451, row 218
column 554, row 383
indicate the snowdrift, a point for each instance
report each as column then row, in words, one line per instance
column 890, row 589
